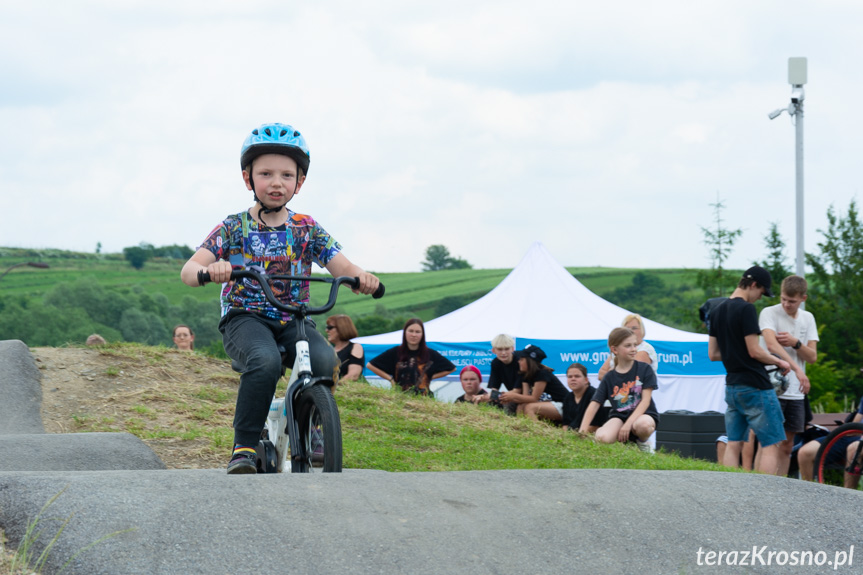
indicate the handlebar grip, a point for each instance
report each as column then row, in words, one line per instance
column 378, row 293
column 203, row 277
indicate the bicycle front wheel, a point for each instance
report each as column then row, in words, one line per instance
column 837, row 443
column 320, row 432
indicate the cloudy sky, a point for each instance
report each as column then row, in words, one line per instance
column 603, row 129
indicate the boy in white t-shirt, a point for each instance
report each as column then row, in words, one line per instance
column 790, row 333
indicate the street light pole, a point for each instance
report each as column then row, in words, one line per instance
column 31, row 264
column 797, row 77
column 797, row 72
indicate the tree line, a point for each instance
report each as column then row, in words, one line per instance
column 70, row 312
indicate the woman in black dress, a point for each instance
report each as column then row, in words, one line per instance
column 412, row 365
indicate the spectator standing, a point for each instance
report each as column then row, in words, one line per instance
column 791, row 333
column 751, row 400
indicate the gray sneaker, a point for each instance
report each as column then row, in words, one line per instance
column 644, row 446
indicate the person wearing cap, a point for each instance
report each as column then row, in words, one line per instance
column 749, row 395
column 541, row 394
column 791, row 333
column 471, row 383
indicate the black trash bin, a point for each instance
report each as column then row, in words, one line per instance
column 690, row 434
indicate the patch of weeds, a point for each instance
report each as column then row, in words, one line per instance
column 154, row 395
column 212, row 393
column 221, row 438
column 181, row 408
column 112, row 371
column 161, row 433
column 203, row 413
column 145, row 411
column 135, row 426
column 81, row 420
column 26, row 560
column 193, row 432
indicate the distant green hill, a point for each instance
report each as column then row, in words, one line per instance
column 417, row 292
column 427, row 295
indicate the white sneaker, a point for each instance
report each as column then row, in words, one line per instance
column 644, row 446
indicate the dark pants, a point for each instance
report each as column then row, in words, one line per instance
column 252, row 341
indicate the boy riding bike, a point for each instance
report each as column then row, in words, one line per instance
column 269, row 238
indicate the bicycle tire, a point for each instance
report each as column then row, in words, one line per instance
column 848, row 430
column 321, row 429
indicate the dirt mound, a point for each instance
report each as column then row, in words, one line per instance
column 180, row 404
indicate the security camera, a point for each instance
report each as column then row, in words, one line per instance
column 796, row 95
column 775, row 113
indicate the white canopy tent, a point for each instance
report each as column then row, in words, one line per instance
column 541, row 303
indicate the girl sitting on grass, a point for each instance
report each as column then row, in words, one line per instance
column 628, row 387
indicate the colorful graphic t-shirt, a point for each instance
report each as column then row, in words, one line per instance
column 625, row 390
column 288, row 250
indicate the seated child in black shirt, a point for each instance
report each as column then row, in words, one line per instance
column 575, row 404
column 628, row 387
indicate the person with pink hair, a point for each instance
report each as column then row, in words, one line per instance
column 471, row 383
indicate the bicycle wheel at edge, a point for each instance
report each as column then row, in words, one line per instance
column 848, row 430
column 321, row 430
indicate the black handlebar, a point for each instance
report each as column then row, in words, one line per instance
column 264, row 281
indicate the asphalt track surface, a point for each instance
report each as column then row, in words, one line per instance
column 364, row 521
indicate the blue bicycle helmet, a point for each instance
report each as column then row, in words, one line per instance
column 276, row 139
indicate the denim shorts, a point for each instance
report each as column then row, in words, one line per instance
column 753, row 408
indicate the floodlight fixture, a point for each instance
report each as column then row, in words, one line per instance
column 797, row 71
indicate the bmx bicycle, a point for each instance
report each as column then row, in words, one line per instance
column 304, row 426
column 840, row 438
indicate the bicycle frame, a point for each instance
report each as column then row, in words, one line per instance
column 301, row 378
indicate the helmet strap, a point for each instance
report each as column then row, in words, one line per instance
column 264, row 210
